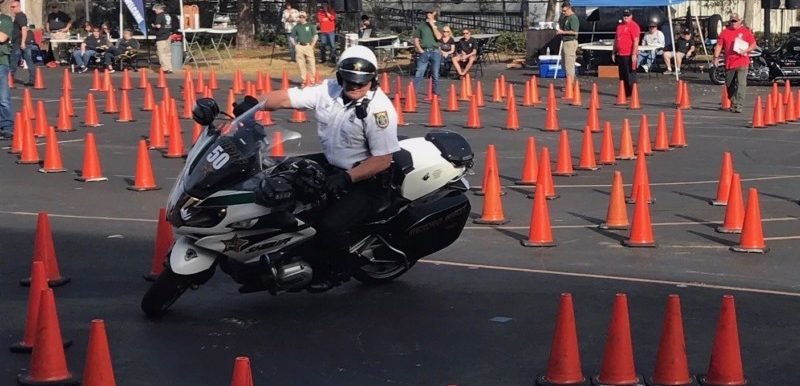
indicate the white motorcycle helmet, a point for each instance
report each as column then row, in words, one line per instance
column 357, row 64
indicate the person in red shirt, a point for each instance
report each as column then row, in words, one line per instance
column 326, row 24
column 737, row 41
column 626, row 50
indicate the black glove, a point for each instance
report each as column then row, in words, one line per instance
column 309, row 179
column 246, row 104
column 273, row 191
column 338, row 183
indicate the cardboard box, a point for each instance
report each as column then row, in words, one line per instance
column 607, row 72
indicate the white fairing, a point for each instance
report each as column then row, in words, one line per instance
column 187, row 259
column 431, row 171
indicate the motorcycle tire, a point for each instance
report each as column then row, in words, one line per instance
column 167, row 288
column 714, row 26
column 369, row 275
column 717, row 75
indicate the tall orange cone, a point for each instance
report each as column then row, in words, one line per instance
column 527, row 98
column 635, row 105
column 644, row 136
column 686, row 100
column 90, row 118
column 491, row 164
column 68, row 102
column 587, row 160
column 622, row 98
column 265, row 118
column 617, row 367
column 551, row 116
column 593, row 120
column 564, row 364
column 41, row 120
column 242, row 373
column 672, row 367
column 473, row 115
column 27, row 102
column 529, row 164
column 401, row 119
column 497, row 95
column 641, row 228
column 143, row 81
column 752, row 239
column 492, row 203
column 780, row 113
column 19, row 133
column 38, row 282
column 52, row 156
column 213, row 84
column 544, row 176
column 111, row 102
column 48, row 365
column 411, row 99
column 96, row 84
column 776, row 96
column 734, row 210
column 678, row 131
column 569, row 89
column 162, row 81
column 125, row 114
column 468, row 84
column 564, row 162
column 725, row 366
column 164, row 238
column 298, row 116
column 231, row 101
column 641, row 180
column 435, row 116
column 540, row 233
column 626, row 142
column 769, row 112
column 787, row 90
column 725, row 174
column 551, row 103
column 662, row 141
column 595, row 101
column 725, row 100
column 791, row 110
column 578, row 99
column 175, row 148
column 617, row 214
column 452, row 99
column 188, row 103
column 107, row 85
column 277, row 145
column 512, row 118
column 385, row 84
column 534, row 86
column 607, row 156
column 678, row 92
column 149, row 101
column 30, row 153
column 156, row 137
column 479, row 93
column 126, row 80
column 66, row 82
column 91, row 171
column 464, row 94
column 98, row 370
column 201, row 82
column 143, row 179
column 64, row 120
column 44, row 250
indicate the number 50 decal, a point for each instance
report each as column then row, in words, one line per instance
column 218, row 158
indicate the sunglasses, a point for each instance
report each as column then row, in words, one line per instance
column 733, row 21
column 355, row 85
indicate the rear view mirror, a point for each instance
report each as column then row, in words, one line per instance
column 205, row 111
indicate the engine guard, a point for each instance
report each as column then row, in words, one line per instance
column 186, row 258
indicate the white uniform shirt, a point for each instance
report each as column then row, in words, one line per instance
column 346, row 139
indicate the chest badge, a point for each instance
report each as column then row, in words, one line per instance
column 382, row 119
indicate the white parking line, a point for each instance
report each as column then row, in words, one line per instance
column 612, row 277
column 676, row 223
column 782, row 177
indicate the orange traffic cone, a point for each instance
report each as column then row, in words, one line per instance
column 769, row 112
column 66, row 82
column 540, row 233
column 277, row 148
column 787, row 90
column 149, row 101
column 175, row 148
column 607, row 156
column 126, row 81
column 156, row 137
column 593, row 120
column 780, row 113
column 68, row 102
column 266, row 118
column 64, row 120
column 776, row 96
column 231, row 101
column 201, row 82
column 91, row 119
column 298, row 116
column 641, row 229
column 725, row 101
column 512, row 118
column 267, row 82
column 144, row 179
column 27, row 102
column 398, row 86
column 617, row 214
column 162, row 81
column 752, row 239
column 534, row 86
column 44, row 250
column 38, row 282
column 401, row 119
column 587, row 161
column 661, row 143
column 107, row 85
column 577, row 100
column 491, row 164
column 479, row 93
column 91, row 171
column 213, row 84
column 791, row 110
column 595, row 101
column 564, row 163
column 164, row 238
column 551, row 117
column 678, row 132
column 564, row 364
column 497, row 95
column 52, row 156
column 635, row 105
column 98, row 370
column 503, row 86
column 492, row 203
column 473, row 116
column 242, row 373
column 452, row 99
column 385, row 84
column 544, row 176
column 622, row 98
column 551, row 98
column 464, row 94
column 725, row 367
column 468, row 84
column 188, row 103
column 672, row 367
column 125, row 114
column 30, row 153
column 569, row 89
column 644, row 136
column 617, row 367
column 143, row 81
column 626, row 142
column 48, row 365
column 724, row 186
column 411, row 99
column 527, row 99
column 641, row 180
column 96, row 84
column 435, row 116
column 111, row 102
column 16, row 139
column 734, row 210
column 686, row 100
column 678, row 93
column 529, row 164
column 41, row 120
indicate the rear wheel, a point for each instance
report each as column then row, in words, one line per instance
column 381, row 272
column 167, row 288
column 717, row 74
column 714, row 26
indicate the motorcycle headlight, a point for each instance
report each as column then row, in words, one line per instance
column 245, row 224
column 202, row 217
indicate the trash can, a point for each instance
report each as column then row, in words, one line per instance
column 177, row 55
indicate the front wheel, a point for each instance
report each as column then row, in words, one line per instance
column 167, row 288
column 717, row 74
column 381, row 272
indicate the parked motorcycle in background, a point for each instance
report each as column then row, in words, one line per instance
column 767, row 66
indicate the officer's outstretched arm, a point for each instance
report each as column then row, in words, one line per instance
column 278, row 99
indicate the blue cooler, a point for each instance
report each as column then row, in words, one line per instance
column 549, row 65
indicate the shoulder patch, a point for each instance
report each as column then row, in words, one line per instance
column 382, row 119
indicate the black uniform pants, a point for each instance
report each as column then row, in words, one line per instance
column 626, row 73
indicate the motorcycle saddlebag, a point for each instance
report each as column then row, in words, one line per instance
column 431, row 224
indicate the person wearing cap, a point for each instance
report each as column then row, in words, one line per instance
column 568, row 27
column 626, row 47
column 163, row 30
column 305, row 37
column 57, row 25
column 655, row 38
column 683, row 49
column 326, row 18
column 737, row 41
column 426, row 38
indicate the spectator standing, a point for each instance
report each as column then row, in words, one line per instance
column 6, row 115
column 683, row 48
column 305, row 35
column 366, row 25
column 737, row 41
column 626, row 47
column 568, row 27
column 289, row 20
column 126, row 46
column 426, row 37
column 326, row 18
column 57, row 25
column 163, row 30
column 467, row 52
column 89, row 49
column 21, row 43
column 654, row 38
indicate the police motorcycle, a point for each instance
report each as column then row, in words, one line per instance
column 219, row 222
column 767, row 66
